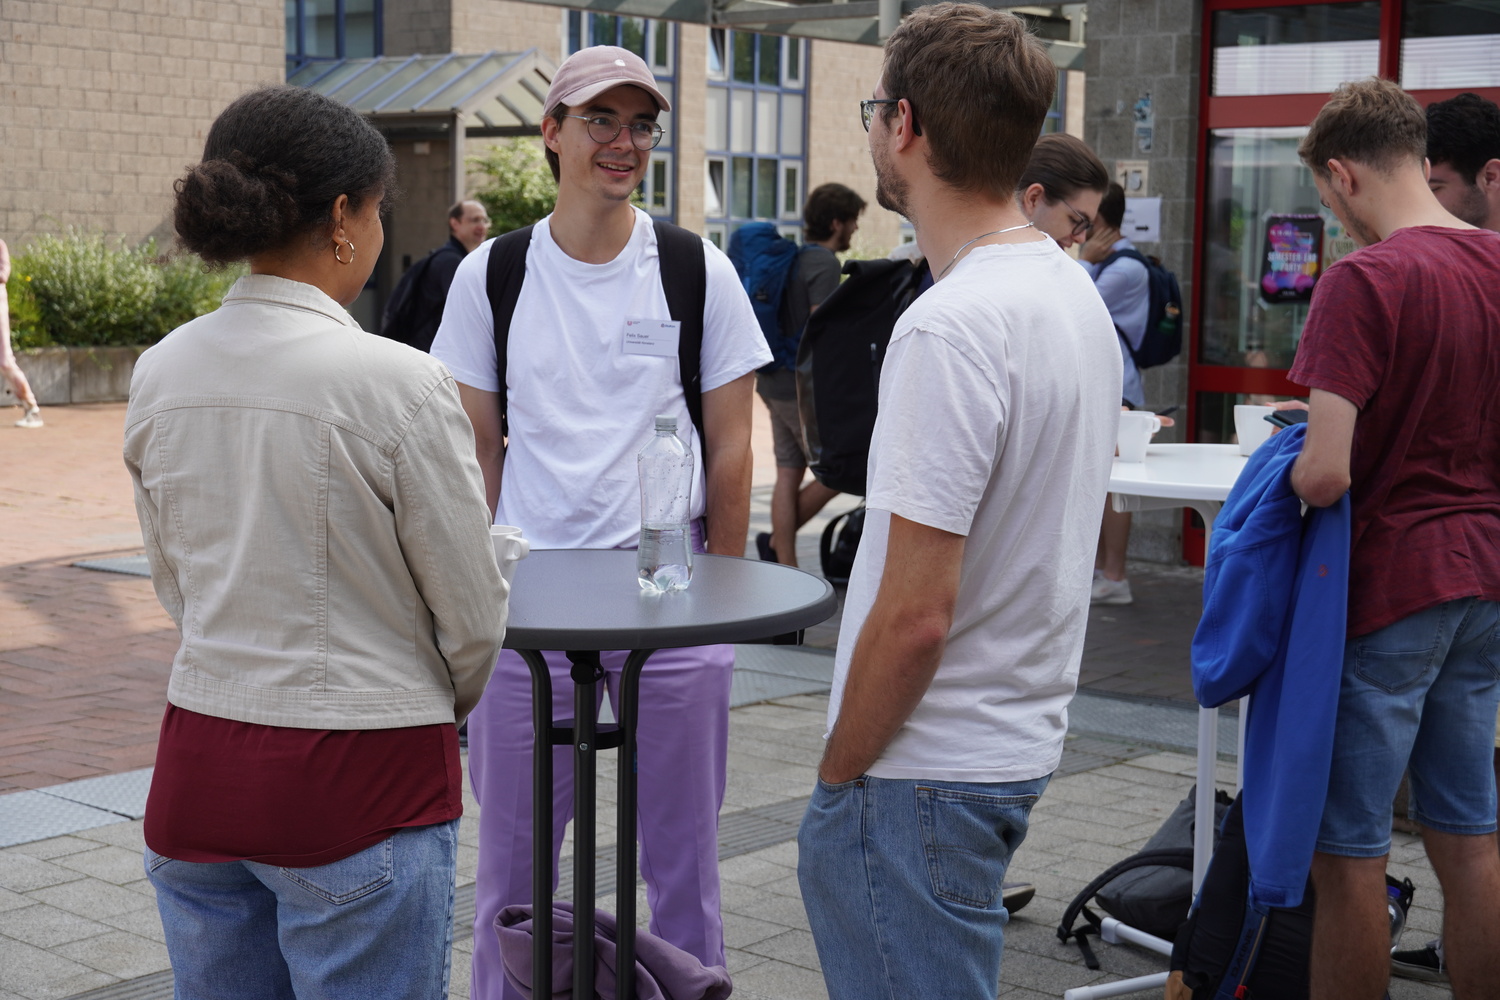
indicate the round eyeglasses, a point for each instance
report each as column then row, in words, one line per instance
column 603, row 128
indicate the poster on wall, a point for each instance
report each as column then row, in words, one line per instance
column 1293, row 257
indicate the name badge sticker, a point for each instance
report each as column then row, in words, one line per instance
column 656, row 338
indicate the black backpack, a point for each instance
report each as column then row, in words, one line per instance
column 1229, row 949
column 684, row 280
column 840, row 543
column 838, row 367
column 1163, row 338
column 408, row 316
column 1151, row 890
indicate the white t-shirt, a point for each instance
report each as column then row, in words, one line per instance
column 579, row 407
column 998, row 410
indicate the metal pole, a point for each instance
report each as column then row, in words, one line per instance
column 625, row 862
column 890, row 17
column 586, row 674
column 541, row 823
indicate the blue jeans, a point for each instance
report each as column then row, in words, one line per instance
column 901, row 881
column 1420, row 693
column 377, row 924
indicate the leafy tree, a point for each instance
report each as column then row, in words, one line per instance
column 518, row 188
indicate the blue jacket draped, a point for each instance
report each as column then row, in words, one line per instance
column 1275, row 601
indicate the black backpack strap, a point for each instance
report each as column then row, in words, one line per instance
column 1114, row 256
column 1171, row 857
column 684, row 280
column 502, row 284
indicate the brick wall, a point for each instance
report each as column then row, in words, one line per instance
column 103, row 103
column 1136, row 47
column 840, row 75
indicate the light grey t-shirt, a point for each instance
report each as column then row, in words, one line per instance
column 998, row 410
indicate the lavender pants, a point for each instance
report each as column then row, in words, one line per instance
column 682, row 746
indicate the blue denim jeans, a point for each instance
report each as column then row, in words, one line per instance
column 1421, row 694
column 901, row 880
column 377, row 924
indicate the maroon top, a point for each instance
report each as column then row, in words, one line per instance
column 294, row 798
column 1408, row 330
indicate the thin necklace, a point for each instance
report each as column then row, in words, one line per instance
column 976, row 240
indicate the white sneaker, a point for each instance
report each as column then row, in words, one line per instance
column 33, row 418
column 1107, row 591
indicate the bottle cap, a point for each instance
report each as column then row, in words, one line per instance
column 666, row 422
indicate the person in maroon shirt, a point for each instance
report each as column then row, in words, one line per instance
column 1401, row 352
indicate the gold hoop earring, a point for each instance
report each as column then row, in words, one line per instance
column 337, row 248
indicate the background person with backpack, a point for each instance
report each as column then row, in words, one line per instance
column 786, row 285
column 1123, row 277
column 416, row 304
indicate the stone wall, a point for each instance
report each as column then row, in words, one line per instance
column 103, row 103
column 840, row 75
column 1138, row 48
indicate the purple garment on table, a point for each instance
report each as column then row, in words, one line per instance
column 662, row 971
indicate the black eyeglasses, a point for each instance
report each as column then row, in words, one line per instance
column 603, row 129
column 867, row 112
column 1082, row 224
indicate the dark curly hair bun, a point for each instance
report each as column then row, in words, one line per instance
column 275, row 161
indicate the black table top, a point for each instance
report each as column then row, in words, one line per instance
column 589, row 599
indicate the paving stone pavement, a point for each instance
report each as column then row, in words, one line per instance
column 76, row 915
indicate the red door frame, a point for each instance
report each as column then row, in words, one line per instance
column 1270, row 111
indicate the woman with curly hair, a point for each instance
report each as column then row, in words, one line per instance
column 316, row 525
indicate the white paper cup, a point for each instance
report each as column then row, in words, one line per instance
column 510, row 548
column 1136, row 428
column 1251, row 427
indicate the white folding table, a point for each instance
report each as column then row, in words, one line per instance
column 1198, row 476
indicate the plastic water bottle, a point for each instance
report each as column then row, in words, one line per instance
column 664, row 560
column 1397, row 913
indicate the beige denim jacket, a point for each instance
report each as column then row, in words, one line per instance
column 314, row 518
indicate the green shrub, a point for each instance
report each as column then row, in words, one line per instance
column 518, row 188
column 26, row 329
column 89, row 291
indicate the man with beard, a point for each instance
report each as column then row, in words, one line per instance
column 964, row 620
column 578, row 400
column 830, row 218
column 1401, row 351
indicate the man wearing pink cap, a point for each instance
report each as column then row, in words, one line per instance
column 577, row 404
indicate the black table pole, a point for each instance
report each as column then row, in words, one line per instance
column 625, row 866
column 587, row 673
column 541, row 810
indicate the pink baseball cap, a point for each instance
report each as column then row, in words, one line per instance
column 589, row 72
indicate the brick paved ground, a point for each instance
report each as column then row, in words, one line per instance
column 84, row 656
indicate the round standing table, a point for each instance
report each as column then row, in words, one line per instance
column 584, row 601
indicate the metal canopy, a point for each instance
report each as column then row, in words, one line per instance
column 1059, row 26
column 492, row 94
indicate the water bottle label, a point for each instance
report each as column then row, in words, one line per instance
column 656, row 338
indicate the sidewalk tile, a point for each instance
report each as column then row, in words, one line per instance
column 41, row 975
column 20, row 873
column 89, row 898
column 117, row 953
column 46, row 926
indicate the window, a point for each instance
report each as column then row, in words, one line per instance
column 331, row 29
column 655, row 42
column 755, row 129
column 1450, row 44
column 1294, row 50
